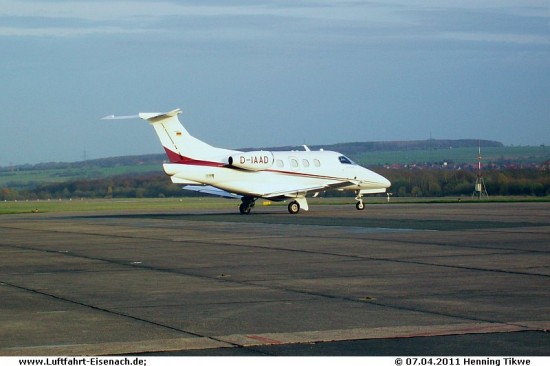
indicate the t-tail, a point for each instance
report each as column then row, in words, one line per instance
column 179, row 145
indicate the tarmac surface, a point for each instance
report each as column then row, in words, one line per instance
column 424, row 279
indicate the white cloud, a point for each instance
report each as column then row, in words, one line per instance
column 345, row 20
column 500, row 38
column 113, row 10
column 63, row 31
column 127, row 16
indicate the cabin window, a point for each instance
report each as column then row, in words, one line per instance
column 316, row 162
column 294, row 163
column 280, row 163
column 344, row 160
column 305, row 163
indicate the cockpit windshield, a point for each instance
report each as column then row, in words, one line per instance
column 345, row 160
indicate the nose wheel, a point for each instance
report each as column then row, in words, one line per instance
column 359, row 198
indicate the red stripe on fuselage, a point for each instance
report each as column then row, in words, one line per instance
column 179, row 159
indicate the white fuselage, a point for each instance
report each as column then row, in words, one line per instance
column 308, row 169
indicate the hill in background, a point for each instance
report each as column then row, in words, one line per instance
column 352, row 149
column 431, row 168
column 432, row 153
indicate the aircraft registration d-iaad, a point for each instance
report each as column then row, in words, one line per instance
column 271, row 175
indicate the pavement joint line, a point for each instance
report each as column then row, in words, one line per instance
column 112, row 312
column 306, row 236
column 303, row 292
column 419, row 318
column 118, row 348
column 302, row 251
column 335, row 335
column 282, row 288
column 248, row 283
column 262, row 339
column 286, row 289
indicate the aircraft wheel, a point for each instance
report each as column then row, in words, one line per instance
column 293, row 207
column 244, row 209
column 360, row 206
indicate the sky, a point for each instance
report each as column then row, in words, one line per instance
column 250, row 73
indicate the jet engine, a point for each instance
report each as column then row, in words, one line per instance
column 252, row 160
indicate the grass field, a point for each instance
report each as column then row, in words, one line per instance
column 116, row 205
column 25, row 178
column 178, row 204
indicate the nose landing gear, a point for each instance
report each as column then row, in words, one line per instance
column 359, row 198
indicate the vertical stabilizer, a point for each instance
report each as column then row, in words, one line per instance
column 177, row 142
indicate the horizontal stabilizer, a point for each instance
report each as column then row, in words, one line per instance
column 112, row 116
column 157, row 117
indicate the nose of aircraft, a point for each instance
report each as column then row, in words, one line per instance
column 384, row 182
column 375, row 180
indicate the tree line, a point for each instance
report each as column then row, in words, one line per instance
column 439, row 183
column 122, row 186
column 405, row 183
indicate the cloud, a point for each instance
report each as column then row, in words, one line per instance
column 273, row 66
column 63, row 31
column 88, row 17
column 496, row 38
column 319, row 21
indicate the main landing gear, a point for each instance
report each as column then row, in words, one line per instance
column 248, row 202
column 246, row 205
column 293, row 207
column 359, row 198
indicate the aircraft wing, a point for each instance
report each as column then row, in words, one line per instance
column 302, row 191
column 211, row 190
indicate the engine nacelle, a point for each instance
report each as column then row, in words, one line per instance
column 252, row 160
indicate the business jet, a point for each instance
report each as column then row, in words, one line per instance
column 271, row 175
